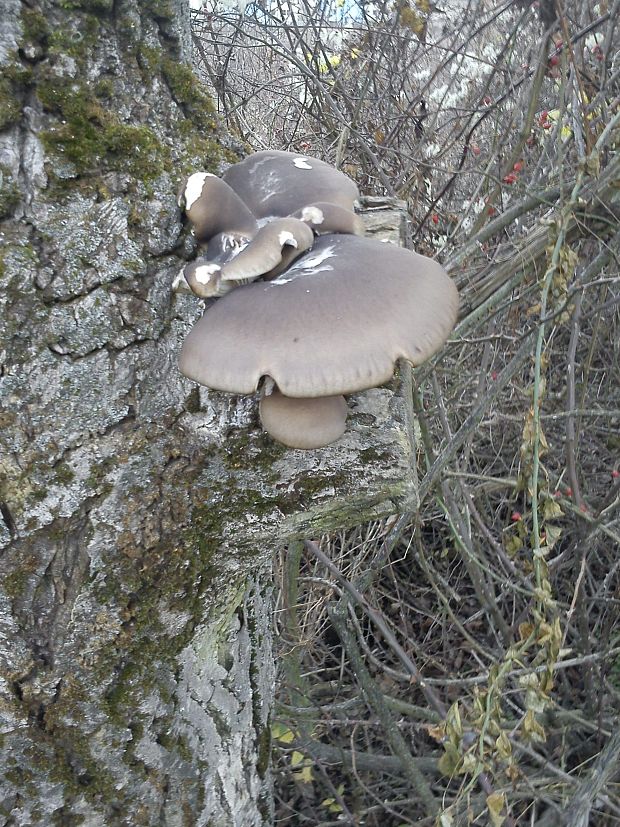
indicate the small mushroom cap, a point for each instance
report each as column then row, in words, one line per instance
column 234, row 262
column 335, row 322
column 272, row 249
column 213, row 207
column 303, row 423
column 274, row 183
column 204, row 279
column 324, row 218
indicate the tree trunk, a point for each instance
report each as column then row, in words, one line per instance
column 138, row 513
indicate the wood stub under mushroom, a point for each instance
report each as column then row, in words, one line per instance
column 303, row 423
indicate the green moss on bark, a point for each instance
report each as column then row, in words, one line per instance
column 12, row 82
column 34, row 26
column 189, row 94
column 95, row 140
column 9, row 195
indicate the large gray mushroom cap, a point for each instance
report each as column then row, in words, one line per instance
column 335, row 322
column 274, row 183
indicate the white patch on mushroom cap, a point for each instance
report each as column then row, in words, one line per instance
column 306, row 266
column 314, row 262
column 313, row 214
column 204, row 273
column 285, row 237
column 302, row 163
column 194, row 186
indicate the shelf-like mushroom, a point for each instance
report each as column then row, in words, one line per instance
column 335, row 322
column 240, row 217
column 324, row 218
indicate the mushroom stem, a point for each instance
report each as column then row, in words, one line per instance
column 303, row 423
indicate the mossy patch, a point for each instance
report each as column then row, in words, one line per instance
column 189, row 94
column 160, row 9
column 198, row 147
column 9, row 194
column 76, row 39
column 63, row 473
column 34, row 26
column 95, row 140
column 93, row 6
column 15, row 582
column 10, row 104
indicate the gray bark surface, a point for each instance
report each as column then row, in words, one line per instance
column 139, row 514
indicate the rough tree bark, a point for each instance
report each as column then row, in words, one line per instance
column 137, row 513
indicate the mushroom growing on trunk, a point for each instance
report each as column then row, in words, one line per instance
column 334, row 323
column 261, row 215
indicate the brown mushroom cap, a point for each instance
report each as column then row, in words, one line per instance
column 213, row 207
column 324, row 218
column 335, row 322
column 272, row 249
column 303, row 423
column 274, row 183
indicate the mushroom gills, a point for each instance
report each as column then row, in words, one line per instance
column 303, row 423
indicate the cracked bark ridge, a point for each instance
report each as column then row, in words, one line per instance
column 137, row 512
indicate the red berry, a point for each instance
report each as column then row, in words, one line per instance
column 435, row 218
column 615, row 474
column 518, row 166
column 554, row 60
column 516, row 516
column 494, row 375
column 510, row 178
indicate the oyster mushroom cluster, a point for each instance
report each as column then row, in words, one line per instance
column 308, row 309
